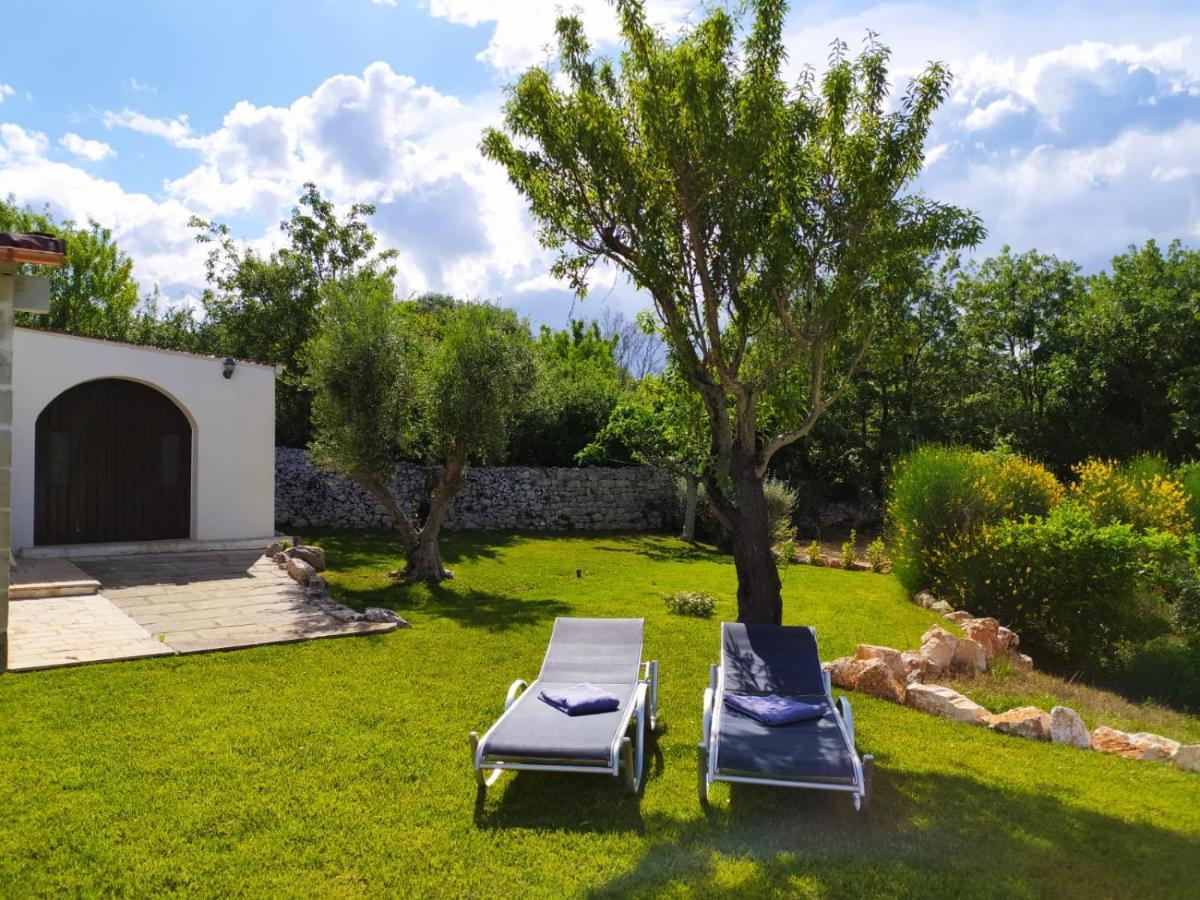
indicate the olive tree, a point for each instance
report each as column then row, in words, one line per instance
column 771, row 224
column 442, row 381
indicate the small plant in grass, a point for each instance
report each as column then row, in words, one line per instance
column 814, row 552
column 877, row 555
column 691, row 603
column 849, row 549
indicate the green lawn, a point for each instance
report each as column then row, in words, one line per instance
column 340, row 767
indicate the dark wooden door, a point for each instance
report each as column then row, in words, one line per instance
column 113, row 463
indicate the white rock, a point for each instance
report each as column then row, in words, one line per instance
column 1066, row 727
column 300, row 570
column 970, row 656
column 944, row 702
column 891, row 658
column 1187, row 758
column 1154, row 747
column 1025, row 721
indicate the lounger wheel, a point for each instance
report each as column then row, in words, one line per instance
column 863, row 801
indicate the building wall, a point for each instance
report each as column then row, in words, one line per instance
column 522, row 498
column 233, row 424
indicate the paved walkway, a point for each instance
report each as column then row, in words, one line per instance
column 164, row 604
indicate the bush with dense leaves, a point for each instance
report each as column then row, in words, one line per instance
column 1144, row 493
column 781, row 500
column 940, row 496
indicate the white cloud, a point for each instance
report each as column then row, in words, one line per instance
column 981, row 118
column 140, row 87
column 17, row 143
column 6, row 90
column 86, row 148
column 523, row 29
column 176, row 130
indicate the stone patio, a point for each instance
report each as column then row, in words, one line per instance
column 166, row 604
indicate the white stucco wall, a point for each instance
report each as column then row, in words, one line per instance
column 233, row 425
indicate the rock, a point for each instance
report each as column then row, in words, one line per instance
column 1025, row 721
column 941, row 607
column 274, row 549
column 300, row 570
column 970, row 656
column 914, row 666
column 344, row 613
column 377, row 614
column 1066, row 727
column 844, row 671
column 925, row 599
column 1187, row 758
column 1154, row 747
column 876, row 678
column 314, row 556
column 1021, row 662
column 986, row 632
column 958, row 616
column 938, row 633
column 1008, row 638
column 938, row 655
column 317, row 585
column 891, row 658
column 944, row 702
column 1109, row 740
column 280, row 558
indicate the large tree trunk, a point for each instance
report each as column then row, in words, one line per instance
column 759, row 598
column 689, row 508
column 425, row 555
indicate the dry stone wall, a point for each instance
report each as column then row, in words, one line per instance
column 518, row 498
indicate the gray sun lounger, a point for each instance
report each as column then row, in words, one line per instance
column 533, row 735
column 819, row 754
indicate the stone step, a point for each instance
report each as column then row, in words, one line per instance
column 34, row 590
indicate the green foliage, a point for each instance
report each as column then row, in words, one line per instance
column 691, row 603
column 940, row 496
column 579, row 383
column 877, row 555
column 850, row 550
column 362, row 365
column 474, row 382
column 813, row 552
column 1144, row 493
column 1074, row 591
column 781, row 500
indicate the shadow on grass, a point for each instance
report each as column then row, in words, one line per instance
column 383, row 549
column 597, row 803
column 924, row 834
column 470, row 607
column 659, row 548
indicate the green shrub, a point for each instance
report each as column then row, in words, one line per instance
column 781, row 500
column 1188, row 476
column 1165, row 670
column 941, row 495
column 877, row 555
column 691, row 603
column 850, row 550
column 814, row 551
column 1075, row 591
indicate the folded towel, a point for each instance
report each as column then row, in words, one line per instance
column 580, row 699
column 772, row 709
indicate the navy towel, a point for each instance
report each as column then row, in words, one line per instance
column 580, row 699
column 773, row 710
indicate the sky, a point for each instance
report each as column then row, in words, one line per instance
column 1072, row 127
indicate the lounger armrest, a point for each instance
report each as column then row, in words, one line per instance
column 650, row 677
column 709, row 700
column 514, row 691
column 713, row 671
column 843, row 704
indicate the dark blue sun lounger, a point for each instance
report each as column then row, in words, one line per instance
column 533, row 735
column 819, row 753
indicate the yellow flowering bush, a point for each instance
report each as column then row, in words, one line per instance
column 1135, row 494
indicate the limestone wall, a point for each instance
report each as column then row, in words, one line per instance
column 520, row 498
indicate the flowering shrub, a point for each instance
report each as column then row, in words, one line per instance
column 1142, row 494
column 691, row 603
column 940, row 496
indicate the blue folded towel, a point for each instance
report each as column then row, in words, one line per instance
column 580, row 699
column 772, row 709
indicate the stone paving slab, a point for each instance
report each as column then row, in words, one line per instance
column 179, row 603
column 65, row 631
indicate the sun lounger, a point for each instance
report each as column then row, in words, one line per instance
column 535, row 736
column 819, row 753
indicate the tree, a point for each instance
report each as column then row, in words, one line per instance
column 265, row 308
column 771, row 225
column 659, row 423
column 578, row 384
column 389, row 379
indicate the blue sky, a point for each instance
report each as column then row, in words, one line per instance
column 1072, row 127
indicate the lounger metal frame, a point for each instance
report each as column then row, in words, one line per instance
column 625, row 756
column 708, row 762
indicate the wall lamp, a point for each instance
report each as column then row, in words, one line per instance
column 227, row 366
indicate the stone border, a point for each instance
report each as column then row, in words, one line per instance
column 900, row 677
column 303, row 562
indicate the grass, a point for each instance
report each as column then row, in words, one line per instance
column 340, row 767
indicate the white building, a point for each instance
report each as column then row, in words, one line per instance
column 115, row 444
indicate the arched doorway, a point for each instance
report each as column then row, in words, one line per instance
column 113, row 462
